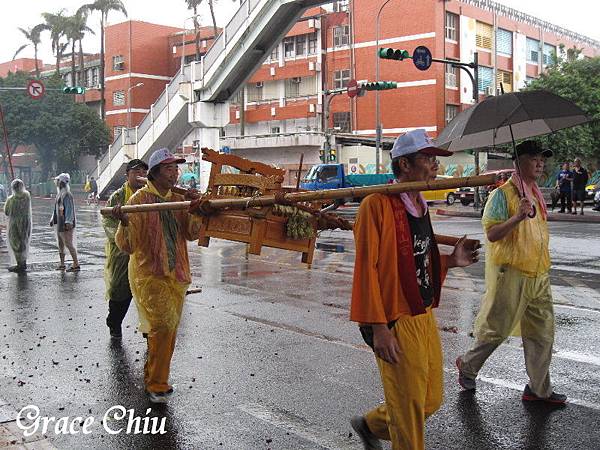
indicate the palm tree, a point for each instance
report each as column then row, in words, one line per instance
column 193, row 5
column 57, row 24
column 211, row 6
column 33, row 35
column 75, row 31
column 104, row 7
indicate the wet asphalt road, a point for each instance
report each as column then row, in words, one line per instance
column 266, row 357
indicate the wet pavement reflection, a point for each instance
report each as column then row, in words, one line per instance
column 266, row 356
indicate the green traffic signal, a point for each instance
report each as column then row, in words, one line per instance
column 74, row 90
column 332, row 154
column 392, row 53
column 379, row 86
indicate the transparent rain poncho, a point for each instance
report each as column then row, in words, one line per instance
column 159, row 269
column 516, row 266
column 64, row 212
column 18, row 211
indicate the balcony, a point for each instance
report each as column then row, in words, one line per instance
column 297, row 139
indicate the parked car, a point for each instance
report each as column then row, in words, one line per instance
column 597, row 198
column 446, row 195
column 467, row 195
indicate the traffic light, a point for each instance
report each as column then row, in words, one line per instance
column 332, row 155
column 379, row 85
column 74, row 90
column 322, row 155
column 393, row 53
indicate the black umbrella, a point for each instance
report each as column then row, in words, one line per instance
column 528, row 114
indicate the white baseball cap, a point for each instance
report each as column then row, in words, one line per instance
column 64, row 177
column 416, row 141
column 163, row 156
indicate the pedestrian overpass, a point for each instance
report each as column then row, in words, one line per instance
column 197, row 96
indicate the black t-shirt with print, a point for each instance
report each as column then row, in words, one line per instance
column 421, row 233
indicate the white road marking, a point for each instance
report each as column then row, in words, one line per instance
column 298, row 426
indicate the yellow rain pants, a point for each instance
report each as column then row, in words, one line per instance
column 515, row 303
column 414, row 387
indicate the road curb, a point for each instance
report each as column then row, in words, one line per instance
column 552, row 217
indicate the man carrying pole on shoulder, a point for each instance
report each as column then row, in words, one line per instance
column 116, row 277
column 397, row 282
column 517, row 264
column 159, row 268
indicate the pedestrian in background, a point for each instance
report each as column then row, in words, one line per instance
column 517, row 299
column 563, row 181
column 94, row 188
column 580, row 179
column 64, row 222
column 18, row 210
column 398, row 276
column 118, row 292
column 159, row 267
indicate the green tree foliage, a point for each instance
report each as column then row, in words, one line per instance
column 60, row 129
column 579, row 81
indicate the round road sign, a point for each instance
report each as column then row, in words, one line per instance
column 352, row 88
column 36, row 89
column 422, row 57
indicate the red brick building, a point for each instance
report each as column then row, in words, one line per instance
column 286, row 111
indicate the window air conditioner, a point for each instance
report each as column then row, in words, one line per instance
column 259, row 84
column 490, row 90
column 297, row 80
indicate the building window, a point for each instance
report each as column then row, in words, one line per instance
column 549, row 54
column 340, row 6
column 301, row 45
column 533, row 51
column 118, row 130
column 118, row 98
column 451, row 76
column 506, row 79
column 341, row 78
column 341, row 36
column 275, row 130
column 255, row 91
column 486, row 76
column 118, row 62
column 451, row 112
column 483, row 37
column 341, row 121
column 451, row 26
column 504, row 40
column 292, row 87
column 275, row 53
column 288, row 47
column 312, row 43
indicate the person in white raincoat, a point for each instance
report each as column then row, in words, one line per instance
column 64, row 222
column 18, row 210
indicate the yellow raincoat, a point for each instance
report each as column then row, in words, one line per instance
column 522, row 254
column 115, row 269
column 158, row 277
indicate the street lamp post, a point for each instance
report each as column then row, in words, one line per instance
column 129, row 104
column 377, row 118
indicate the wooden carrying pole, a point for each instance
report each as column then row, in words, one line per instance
column 307, row 196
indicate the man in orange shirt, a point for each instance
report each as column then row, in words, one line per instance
column 397, row 281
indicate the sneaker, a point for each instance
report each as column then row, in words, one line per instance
column 159, row 397
column 369, row 440
column 466, row 382
column 554, row 398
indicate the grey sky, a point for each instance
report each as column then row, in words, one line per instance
column 578, row 15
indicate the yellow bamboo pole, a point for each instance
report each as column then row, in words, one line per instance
column 307, row 196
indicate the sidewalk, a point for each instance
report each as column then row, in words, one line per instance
column 11, row 436
column 458, row 210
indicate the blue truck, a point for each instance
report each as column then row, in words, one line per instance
column 333, row 176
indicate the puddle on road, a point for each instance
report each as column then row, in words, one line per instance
column 334, row 248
